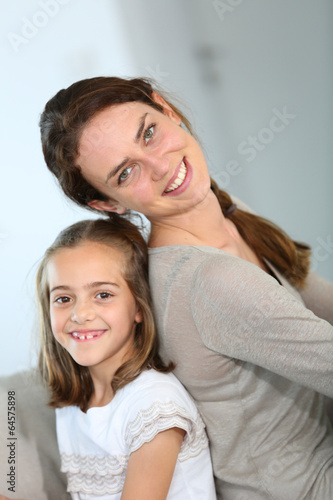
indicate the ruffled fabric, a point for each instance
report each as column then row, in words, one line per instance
column 160, row 417
column 94, row 475
column 100, row 475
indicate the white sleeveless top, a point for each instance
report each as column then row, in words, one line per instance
column 95, row 446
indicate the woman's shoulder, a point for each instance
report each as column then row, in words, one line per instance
column 184, row 250
column 179, row 265
column 182, row 258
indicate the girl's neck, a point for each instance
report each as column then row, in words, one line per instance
column 102, row 376
column 103, row 392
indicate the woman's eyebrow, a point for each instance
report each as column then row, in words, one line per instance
column 141, row 127
column 116, row 169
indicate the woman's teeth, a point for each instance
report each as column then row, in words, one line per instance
column 179, row 180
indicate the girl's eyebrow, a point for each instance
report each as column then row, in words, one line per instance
column 60, row 287
column 94, row 284
column 116, row 169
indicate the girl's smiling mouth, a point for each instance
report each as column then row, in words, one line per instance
column 86, row 334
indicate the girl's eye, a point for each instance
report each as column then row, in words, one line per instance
column 104, row 295
column 62, row 300
column 148, row 133
column 124, row 175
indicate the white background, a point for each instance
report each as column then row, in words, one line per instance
column 231, row 63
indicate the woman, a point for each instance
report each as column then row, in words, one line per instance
column 225, row 287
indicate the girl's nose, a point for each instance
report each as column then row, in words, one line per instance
column 82, row 312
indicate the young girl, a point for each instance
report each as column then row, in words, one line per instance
column 126, row 427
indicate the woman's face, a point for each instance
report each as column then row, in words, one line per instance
column 142, row 159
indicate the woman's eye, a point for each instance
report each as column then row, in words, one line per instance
column 104, row 295
column 148, row 133
column 124, row 174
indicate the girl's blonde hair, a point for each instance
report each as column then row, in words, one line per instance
column 70, row 383
column 70, row 110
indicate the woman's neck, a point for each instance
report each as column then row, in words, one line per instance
column 204, row 225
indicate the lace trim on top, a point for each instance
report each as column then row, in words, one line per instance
column 160, row 417
column 100, row 475
column 94, row 475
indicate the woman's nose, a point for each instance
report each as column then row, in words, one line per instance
column 82, row 312
column 159, row 167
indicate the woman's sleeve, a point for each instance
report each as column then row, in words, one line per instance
column 318, row 296
column 242, row 312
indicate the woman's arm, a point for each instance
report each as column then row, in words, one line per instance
column 244, row 313
column 151, row 467
column 6, row 498
column 318, row 296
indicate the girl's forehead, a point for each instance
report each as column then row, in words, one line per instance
column 99, row 253
column 85, row 264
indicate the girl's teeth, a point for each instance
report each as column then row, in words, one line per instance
column 83, row 337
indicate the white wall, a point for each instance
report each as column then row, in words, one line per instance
column 232, row 63
column 81, row 38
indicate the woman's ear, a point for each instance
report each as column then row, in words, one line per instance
column 107, row 206
column 167, row 110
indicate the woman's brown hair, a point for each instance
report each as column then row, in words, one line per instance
column 70, row 110
column 62, row 123
column 268, row 241
column 70, row 383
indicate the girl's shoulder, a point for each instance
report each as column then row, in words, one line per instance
column 104, row 438
column 152, row 385
column 151, row 376
column 149, row 387
column 156, row 402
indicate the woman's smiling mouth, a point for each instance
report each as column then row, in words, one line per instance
column 178, row 181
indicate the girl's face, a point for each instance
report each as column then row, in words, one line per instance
column 93, row 312
column 142, row 159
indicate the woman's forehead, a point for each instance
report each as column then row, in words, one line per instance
column 116, row 122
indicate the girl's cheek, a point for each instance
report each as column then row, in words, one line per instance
column 56, row 321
